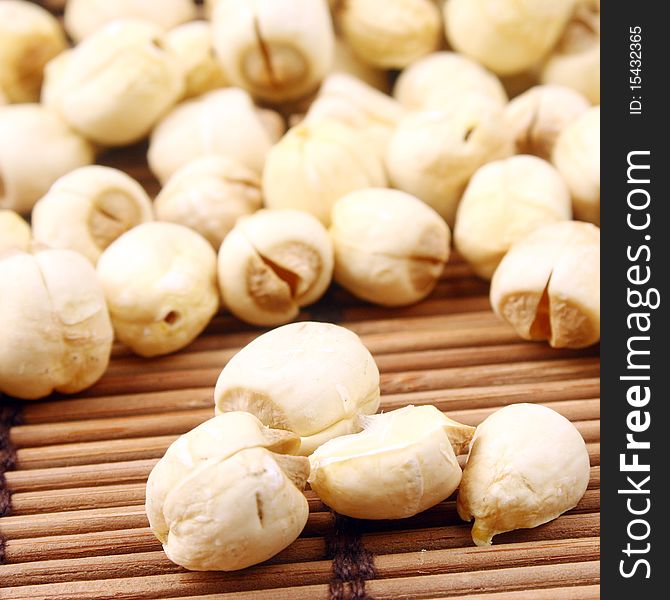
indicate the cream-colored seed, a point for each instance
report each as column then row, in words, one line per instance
column 160, row 283
column 548, row 285
column 390, row 34
column 506, row 36
column 227, row 494
column 219, row 122
column 433, row 153
column 527, row 465
column 84, row 17
column 191, row 43
column 87, row 209
column 444, row 78
column 117, row 83
column 29, row 38
column 577, row 157
column 315, row 164
column 390, row 248
column 14, row 231
column 575, row 61
column 349, row 101
column 54, row 85
column 36, row 148
column 314, row 379
column 272, row 263
column 402, row 463
column 504, row 201
column 538, row 116
column 208, row 195
column 55, row 332
column 274, row 123
column 277, row 50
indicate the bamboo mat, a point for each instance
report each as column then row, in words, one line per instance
column 75, row 468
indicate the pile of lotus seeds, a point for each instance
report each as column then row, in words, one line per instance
column 300, row 142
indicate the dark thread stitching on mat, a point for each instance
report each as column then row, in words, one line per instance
column 10, row 415
column 352, row 563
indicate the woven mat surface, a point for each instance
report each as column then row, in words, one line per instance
column 76, row 467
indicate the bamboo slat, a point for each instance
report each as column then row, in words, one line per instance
column 575, row 592
column 107, row 496
column 388, row 565
column 398, row 581
column 80, row 476
column 582, row 592
column 90, row 453
column 389, row 363
column 499, row 395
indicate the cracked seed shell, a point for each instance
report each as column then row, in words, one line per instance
column 314, row 379
column 402, row 463
column 273, row 263
column 547, row 287
column 55, row 332
column 87, row 209
column 228, row 494
column 277, row 50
